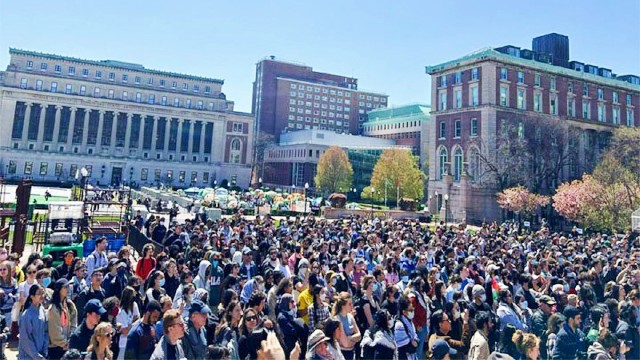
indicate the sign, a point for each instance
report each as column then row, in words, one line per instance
column 527, row 224
column 66, row 210
column 263, row 210
column 579, row 231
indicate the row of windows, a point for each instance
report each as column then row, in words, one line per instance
column 321, row 127
column 293, row 94
column 122, row 95
column 281, row 154
column 457, row 129
column 331, row 114
column 111, row 76
column 316, row 120
column 402, row 125
column 456, row 78
column 318, row 90
column 318, row 105
column 457, row 168
column 473, row 100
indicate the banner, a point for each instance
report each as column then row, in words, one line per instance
column 66, row 210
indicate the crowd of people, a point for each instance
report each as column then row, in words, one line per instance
column 348, row 289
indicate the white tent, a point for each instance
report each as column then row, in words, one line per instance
column 635, row 220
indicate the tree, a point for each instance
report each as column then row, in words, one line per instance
column 572, row 198
column 263, row 140
column 398, row 168
column 521, row 201
column 334, row 171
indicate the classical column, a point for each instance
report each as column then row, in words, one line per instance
column 167, row 129
column 25, row 125
column 191, row 128
column 72, row 124
column 85, row 130
column 141, row 133
column 179, row 135
column 203, row 132
column 56, row 124
column 127, row 136
column 99, row 135
column 40, row 137
column 154, row 135
column 114, row 127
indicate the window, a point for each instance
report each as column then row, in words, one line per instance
column 44, row 167
column 12, row 167
column 536, row 79
column 457, row 129
column 458, row 96
column 58, row 171
column 520, row 77
column 181, row 176
column 629, row 117
column 443, row 82
column 149, row 81
column 615, row 97
column 586, row 107
column 98, row 75
column 537, row 101
column 474, row 74
column 294, row 86
column 552, row 83
column 187, row 104
column 138, row 97
column 68, row 89
column 457, row 164
column 459, row 77
column 28, row 167
column 83, row 90
column 144, row 174
column 521, row 99
column 23, row 83
column 174, row 84
column 444, row 158
column 38, row 84
column 628, row 99
column 85, row 72
column 503, row 96
column 503, row 73
column 161, row 82
column 443, row 130
column 474, row 96
column 616, row 115
column 112, row 76
column 207, row 90
column 43, row 66
column 137, row 79
column 110, row 94
column 152, row 99
column 585, row 90
column 600, row 94
column 553, row 104
column 474, row 127
column 125, row 96
column 163, row 101
column 235, row 151
column 29, row 65
column 196, row 88
column 125, row 78
column 57, row 69
column 185, row 86
column 570, row 87
column 443, row 100
column 96, row 92
column 199, row 105
column 601, row 114
column 571, row 107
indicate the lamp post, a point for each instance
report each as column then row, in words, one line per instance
column 260, row 183
column 306, row 187
column 446, row 208
column 373, row 191
column 355, row 193
column 215, row 184
column 84, row 173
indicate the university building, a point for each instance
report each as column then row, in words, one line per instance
column 120, row 121
column 476, row 96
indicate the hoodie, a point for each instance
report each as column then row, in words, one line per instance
column 247, row 290
column 597, row 352
column 201, row 280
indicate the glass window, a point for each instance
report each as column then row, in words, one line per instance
column 57, row 68
column 521, row 77
column 474, row 74
column 536, row 79
column 28, row 167
column 443, row 130
column 521, row 99
column 43, row 66
column 458, row 97
column 112, row 76
column 457, row 165
column 85, row 72
column 98, row 74
column 474, row 127
column 503, row 73
column 29, row 65
column 444, row 158
column 458, row 128
column 144, row 174
column 125, row 78
column 44, row 167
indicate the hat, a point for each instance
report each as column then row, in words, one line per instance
column 94, row 306
column 122, row 264
column 197, row 306
column 200, row 294
column 246, row 251
column 477, row 290
column 440, row 349
column 570, row 312
column 492, row 267
column 315, row 339
column 546, row 299
column 360, row 261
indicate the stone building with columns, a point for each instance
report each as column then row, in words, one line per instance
column 120, row 121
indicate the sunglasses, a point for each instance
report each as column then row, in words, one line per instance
column 251, row 318
column 31, row 272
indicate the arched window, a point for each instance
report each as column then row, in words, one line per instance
column 443, row 162
column 457, row 164
column 235, row 144
column 236, row 151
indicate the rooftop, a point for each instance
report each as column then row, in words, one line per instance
column 396, row 113
column 112, row 64
column 330, row 138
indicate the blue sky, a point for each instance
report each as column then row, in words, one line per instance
column 384, row 44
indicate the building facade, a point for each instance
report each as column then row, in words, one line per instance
column 295, row 159
column 120, row 121
column 475, row 97
column 402, row 124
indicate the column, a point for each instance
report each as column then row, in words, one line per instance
column 25, row 126
column 85, row 130
column 179, row 137
column 72, row 124
column 56, row 124
column 141, row 133
column 40, row 138
column 127, row 136
column 99, row 136
column 114, row 127
column 154, row 135
column 166, row 135
column 203, row 132
column 191, row 127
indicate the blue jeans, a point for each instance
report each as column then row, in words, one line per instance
column 422, row 338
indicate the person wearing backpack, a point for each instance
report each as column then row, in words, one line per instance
column 405, row 333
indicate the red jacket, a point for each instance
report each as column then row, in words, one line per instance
column 144, row 267
column 420, row 315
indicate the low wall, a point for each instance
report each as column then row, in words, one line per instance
column 334, row 213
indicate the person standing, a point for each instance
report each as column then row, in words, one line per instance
column 80, row 338
column 62, row 318
column 100, row 345
column 569, row 338
column 195, row 339
column 34, row 329
column 479, row 347
column 98, row 258
column 170, row 345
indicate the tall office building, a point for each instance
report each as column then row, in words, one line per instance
column 120, row 121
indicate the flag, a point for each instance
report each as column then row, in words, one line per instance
column 495, row 288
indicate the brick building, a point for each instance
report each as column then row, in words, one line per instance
column 475, row 97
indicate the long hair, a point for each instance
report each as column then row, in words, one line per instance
column 128, row 299
column 343, row 298
column 8, row 277
column 243, row 323
column 103, row 329
column 32, row 291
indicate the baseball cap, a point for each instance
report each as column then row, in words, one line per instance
column 440, row 349
column 197, row 306
column 94, row 306
column 547, row 300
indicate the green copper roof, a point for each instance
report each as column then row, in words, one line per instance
column 400, row 113
column 491, row 54
column 113, row 64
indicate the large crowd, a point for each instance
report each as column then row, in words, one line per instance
column 309, row 288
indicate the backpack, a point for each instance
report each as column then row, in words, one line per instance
column 361, row 317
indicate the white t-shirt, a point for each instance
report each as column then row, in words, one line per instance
column 125, row 319
column 23, row 288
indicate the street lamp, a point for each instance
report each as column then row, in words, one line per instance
column 306, row 187
column 215, row 184
column 373, row 191
column 260, row 183
column 446, row 208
